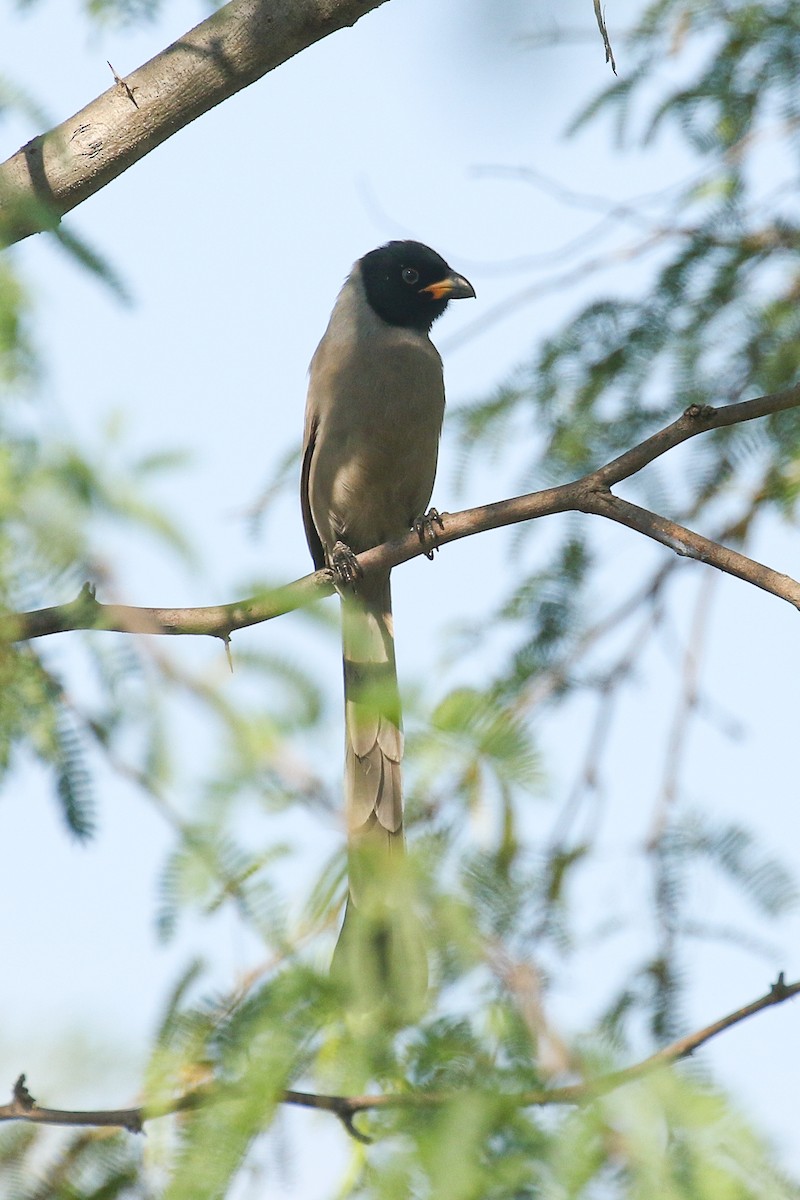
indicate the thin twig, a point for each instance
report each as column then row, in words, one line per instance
column 554, row 678
column 588, row 777
column 601, row 25
column 24, row 1108
column 684, row 709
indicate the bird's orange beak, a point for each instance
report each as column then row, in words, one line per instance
column 452, row 287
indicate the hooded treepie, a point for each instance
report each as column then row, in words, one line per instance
column 373, row 419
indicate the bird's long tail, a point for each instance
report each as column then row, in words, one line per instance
column 380, row 944
column 373, row 723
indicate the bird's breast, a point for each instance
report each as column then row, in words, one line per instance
column 380, row 417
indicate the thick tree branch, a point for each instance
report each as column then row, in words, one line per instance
column 24, row 1108
column 241, row 42
column 590, row 494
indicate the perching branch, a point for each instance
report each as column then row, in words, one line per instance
column 244, row 40
column 589, row 494
column 24, row 1108
column 217, row 620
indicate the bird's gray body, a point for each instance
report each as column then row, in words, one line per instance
column 373, row 420
column 374, row 416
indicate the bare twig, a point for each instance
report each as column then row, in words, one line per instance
column 24, row 1108
column 553, row 679
column 573, row 274
column 684, row 709
column 588, row 777
column 601, row 25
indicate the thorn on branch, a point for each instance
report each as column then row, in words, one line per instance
column 85, row 606
column 778, row 990
column 22, row 1096
column 121, row 83
column 348, row 1120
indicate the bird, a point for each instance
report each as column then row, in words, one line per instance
column 373, row 420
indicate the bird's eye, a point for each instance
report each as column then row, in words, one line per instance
column 410, row 275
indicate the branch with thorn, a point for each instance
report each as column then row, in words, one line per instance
column 23, row 1107
column 127, row 89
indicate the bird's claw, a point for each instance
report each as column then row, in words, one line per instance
column 344, row 565
column 425, row 531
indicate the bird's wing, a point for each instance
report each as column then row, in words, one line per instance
column 312, row 536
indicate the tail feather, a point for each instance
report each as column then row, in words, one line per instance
column 373, row 725
column 380, row 955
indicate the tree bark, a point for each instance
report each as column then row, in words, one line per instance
column 59, row 169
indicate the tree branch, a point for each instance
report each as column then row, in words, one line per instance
column 694, row 420
column 244, row 40
column 216, row 620
column 589, row 494
column 692, row 545
column 24, row 1108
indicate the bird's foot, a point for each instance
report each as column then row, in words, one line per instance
column 344, row 565
column 424, row 527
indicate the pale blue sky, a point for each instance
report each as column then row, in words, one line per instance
column 233, row 239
